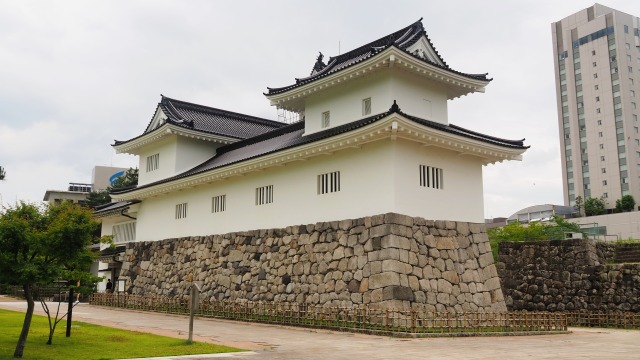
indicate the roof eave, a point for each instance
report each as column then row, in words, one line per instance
column 391, row 126
column 134, row 145
column 458, row 84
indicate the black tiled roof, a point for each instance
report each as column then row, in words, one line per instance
column 401, row 39
column 113, row 251
column 211, row 120
column 292, row 135
column 116, row 206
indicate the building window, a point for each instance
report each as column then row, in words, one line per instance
column 635, row 118
column 595, row 64
column 602, row 158
column 626, row 29
column 264, row 195
column 218, row 203
column 628, row 46
column 595, row 76
column 595, row 87
column 633, row 93
column 605, row 195
column 601, row 146
column 604, row 182
column 181, row 211
column 326, row 119
column 431, row 177
column 630, row 69
column 604, row 170
column 124, row 232
column 593, row 52
column 599, row 122
column 329, row 182
column 366, row 106
column 597, row 98
column 153, row 162
column 598, row 110
column 600, row 134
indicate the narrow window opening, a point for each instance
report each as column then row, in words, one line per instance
column 264, row 195
column 329, row 182
column 153, row 162
column 431, row 177
column 366, row 106
column 326, row 119
column 181, row 211
column 218, row 203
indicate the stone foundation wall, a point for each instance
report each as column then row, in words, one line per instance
column 390, row 260
column 567, row 275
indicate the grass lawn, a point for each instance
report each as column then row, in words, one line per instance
column 89, row 341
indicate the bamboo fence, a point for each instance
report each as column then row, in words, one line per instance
column 356, row 319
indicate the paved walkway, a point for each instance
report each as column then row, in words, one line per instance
column 280, row 342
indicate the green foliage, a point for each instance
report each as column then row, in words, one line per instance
column 90, row 341
column 130, row 178
column 594, row 206
column 579, row 205
column 41, row 245
column 626, row 203
column 97, row 198
column 534, row 231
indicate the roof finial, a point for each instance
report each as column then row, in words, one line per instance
column 394, row 107
column 319, row 65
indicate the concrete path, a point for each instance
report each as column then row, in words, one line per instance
column 279, row 342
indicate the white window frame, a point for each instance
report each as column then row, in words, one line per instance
column 264, row 195
column 431, row 177
column 124, row 232
column 366, row 106
column 329, row 183
column 181, row 211
column 219, row 203
column 153, row 162
column 326, row 119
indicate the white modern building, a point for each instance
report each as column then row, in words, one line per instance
column 597, row 70
column 373, row 137
column 101, row 178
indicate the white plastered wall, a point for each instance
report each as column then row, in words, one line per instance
column 461, row 198
column 428, row 101
column 166, row 148
column 177, row 154
column 378, row 178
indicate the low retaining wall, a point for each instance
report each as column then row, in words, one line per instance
column 567, row 275
column 391, row 261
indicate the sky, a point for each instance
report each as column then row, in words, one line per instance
column 77, row 75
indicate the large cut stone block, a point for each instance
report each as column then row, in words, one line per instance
column 396, row 292
column 383, row 279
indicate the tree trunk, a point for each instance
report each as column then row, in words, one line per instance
column 27, row 322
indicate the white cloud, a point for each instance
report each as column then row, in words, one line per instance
column 75, row 75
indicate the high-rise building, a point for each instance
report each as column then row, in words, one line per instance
column 597, row 67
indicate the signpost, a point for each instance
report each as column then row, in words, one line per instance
column 194, row 305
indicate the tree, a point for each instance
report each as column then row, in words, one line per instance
column 97, row 198
column 594, row 206
column 41, row 245
column 579, row 204
column 128, row 179
column 626, row 203
column 533, row 231
column 3, row 173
